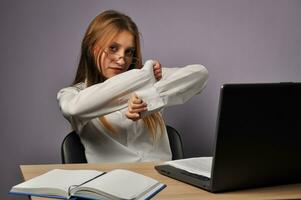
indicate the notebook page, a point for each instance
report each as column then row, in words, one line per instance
column 121, row 184
column 198, row 165
column 56, row 182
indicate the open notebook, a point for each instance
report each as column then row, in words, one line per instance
column 91, row 184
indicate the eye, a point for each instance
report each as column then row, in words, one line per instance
column 113, row 48
column 130, row 52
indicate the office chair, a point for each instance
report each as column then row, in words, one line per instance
column 175, row 142
column 73, row 151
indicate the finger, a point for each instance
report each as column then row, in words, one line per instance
column 132, row 116
column 158, row 76
column 138, row 106
column 158, row 73
column 157, row 63
column 157, row 67
column 134, row 99
column 137, row 100
column 157, row 70
column 133, row 96
column 138, row 110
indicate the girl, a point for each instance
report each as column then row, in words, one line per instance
column 114, row 103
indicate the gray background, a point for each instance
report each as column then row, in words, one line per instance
column 237, row 40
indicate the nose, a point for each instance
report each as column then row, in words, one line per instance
column 120, row 60
column 120, row 57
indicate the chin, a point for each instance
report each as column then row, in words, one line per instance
column 117, row 72
column 113, row 74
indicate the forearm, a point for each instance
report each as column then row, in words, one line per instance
column 177, row 86
column 81, row 105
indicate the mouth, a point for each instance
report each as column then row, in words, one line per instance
column 117, row 69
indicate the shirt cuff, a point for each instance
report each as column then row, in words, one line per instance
column 153, row 100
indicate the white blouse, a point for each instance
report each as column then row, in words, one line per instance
column 82, row 106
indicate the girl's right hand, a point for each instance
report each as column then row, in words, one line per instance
column 135, row 106
column 157, row 70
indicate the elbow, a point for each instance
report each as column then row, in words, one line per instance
column 65, row 103
column 71, row 114
column 68, row 111
column 201, row 76
column 68, row 106
column 204, row 72
column 201, row 73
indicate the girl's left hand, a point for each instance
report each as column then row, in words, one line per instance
column 135, row 106
column 157, row 70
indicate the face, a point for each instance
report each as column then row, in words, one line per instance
column 118, row 56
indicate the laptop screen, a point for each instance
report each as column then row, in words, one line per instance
column 258, row 135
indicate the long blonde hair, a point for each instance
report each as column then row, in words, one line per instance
column 101, row 31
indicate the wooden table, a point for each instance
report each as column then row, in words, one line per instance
column 175, row 189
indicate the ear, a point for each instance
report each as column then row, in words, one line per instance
column 95, row 50
column 97, row 57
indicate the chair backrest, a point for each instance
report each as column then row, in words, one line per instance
column 73, row 151
column 175, row 142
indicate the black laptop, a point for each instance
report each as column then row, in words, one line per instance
column 257, row 140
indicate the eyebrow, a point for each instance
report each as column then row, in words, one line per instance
column 116, row 43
